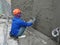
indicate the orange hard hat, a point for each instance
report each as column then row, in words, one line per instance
column 16, row 11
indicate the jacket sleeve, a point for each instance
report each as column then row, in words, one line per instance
column 26, row 24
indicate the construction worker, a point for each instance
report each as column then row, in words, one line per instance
column 18, row 25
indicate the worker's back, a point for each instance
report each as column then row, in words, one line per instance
column 17, row 23
column 15, row 26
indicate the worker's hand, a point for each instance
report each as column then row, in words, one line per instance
column 32, row 20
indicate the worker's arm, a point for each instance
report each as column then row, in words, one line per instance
column 29, row 23
column 26, row 24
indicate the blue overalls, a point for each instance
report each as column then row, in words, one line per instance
column 18, row 26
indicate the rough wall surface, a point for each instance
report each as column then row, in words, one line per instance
column 46, row 21
column 45, row 12
column 25, row 6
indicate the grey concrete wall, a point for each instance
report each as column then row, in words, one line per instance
column 46, row 21
column 45, row 11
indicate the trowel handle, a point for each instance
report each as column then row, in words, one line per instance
column 34, row 19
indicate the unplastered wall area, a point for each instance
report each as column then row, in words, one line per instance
column 45, row 12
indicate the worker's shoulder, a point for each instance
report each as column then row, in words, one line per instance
column 17, row 19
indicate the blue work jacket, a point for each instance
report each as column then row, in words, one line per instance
column 17, row 23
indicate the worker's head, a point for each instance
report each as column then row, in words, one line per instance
column 17, row 12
